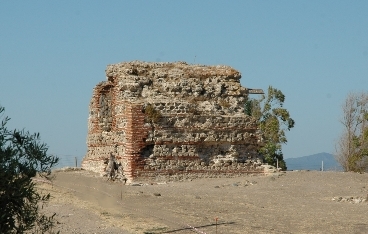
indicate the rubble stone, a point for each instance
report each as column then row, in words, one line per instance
column 172, row 120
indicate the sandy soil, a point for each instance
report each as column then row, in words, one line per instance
column 291, row 202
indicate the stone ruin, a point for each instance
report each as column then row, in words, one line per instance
column 172, row 120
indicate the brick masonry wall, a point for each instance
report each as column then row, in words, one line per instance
column 201, row 128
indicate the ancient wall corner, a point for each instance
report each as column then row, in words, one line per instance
column 172, row 120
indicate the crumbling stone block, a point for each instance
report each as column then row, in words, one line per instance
column 166, row 120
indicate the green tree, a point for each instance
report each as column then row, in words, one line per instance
column 22, row 157
column 273, row 120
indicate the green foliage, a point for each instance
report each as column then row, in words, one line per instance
column 273, row 120
column 22, row 156
column 152, row 115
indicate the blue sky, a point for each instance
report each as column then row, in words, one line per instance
column 52, row 54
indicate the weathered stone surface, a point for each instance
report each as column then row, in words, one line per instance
column 172, row 120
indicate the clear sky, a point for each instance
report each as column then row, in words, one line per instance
column 52, row 54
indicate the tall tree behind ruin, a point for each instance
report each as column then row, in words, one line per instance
column 352, row 146
column 273, row 121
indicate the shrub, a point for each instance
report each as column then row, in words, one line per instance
column 22, row 157
column 152, row 114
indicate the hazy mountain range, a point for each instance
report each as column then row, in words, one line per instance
column 314, row 162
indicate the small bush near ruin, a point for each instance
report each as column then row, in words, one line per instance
column 22, row 157
column 152, row 114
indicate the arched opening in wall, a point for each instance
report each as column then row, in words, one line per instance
column 105, row 116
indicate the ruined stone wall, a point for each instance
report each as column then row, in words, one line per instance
column 172, row 119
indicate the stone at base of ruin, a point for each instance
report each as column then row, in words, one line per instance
column 172, row 121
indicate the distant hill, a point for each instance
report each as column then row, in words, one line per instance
column 314, row 162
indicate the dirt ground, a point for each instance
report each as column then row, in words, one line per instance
column 291, row 202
